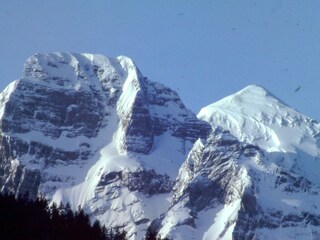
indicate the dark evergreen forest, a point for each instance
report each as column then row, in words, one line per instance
column 22, row 218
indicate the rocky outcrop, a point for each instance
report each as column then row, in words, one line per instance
column 150, row 114
column 210, row 177
column 147, row 182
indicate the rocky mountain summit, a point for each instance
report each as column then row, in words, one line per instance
column 94, row 132
column 89, row 130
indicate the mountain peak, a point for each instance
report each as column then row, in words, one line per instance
column 86, row 129
column 252, row 98
column 254, row 88
column 256, row 116
column 56, row 68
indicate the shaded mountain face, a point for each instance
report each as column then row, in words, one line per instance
column 94, row 132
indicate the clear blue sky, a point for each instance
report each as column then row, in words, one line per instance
column 203, row 49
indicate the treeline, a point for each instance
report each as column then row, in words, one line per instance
column 23, row 218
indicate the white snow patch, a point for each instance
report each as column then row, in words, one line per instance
column 224, row 222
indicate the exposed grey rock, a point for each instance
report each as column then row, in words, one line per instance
column 36, row 107
column 147, row 182
column 212, row 171
column 150, row 116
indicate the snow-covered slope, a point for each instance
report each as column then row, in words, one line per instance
column 93, row 131
column 254, row 115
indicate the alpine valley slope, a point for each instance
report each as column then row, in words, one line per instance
column 93, row 131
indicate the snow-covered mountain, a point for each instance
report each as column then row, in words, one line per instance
column 253, row 177
column 255, row 116
column 94, row 132
column 232, row 190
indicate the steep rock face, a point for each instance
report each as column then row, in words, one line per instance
column 62, row 93
column 153, row 110
column 148, row 182
column 210, row 178
column 53, row 103
column 93, row 131
column 135, row 119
